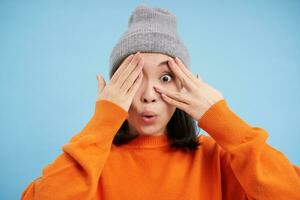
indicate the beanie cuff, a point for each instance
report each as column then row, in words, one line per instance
column 151, row 42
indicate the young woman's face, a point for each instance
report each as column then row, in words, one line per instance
column 157, row 72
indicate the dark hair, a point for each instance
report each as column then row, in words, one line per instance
column 181, row 129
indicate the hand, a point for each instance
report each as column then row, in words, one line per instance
column 124, row 83
column 196, row 96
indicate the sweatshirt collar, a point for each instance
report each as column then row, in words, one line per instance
column 148, row 141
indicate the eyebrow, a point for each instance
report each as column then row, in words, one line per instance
column 163, row 63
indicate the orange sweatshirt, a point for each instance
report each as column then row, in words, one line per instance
column 234, row 162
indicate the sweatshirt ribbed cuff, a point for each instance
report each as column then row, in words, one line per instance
column 222, row 124
column 105, row 122
column 107, row 112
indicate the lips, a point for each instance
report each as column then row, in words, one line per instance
column 148, row 114
column 149, row 117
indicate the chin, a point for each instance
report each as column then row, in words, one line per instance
column 150, row 131
column 149, row 134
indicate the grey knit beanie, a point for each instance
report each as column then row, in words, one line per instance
column 150, row 30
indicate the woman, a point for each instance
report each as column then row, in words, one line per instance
column 141, row 141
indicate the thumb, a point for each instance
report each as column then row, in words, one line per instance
column 101, row 83
column 200, row 78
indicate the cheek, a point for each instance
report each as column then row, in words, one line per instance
column 175, row 85
column 170, row 110
column 133, row 108
column 132, row 116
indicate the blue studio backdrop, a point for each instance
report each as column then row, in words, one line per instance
column 51, row 51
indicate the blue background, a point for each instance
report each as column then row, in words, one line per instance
column 51, row 51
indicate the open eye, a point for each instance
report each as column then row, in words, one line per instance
column 165, row 77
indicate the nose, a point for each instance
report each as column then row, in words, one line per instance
column 149, row 94
column 149, row 100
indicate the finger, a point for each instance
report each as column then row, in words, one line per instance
column 135, row 85
column 122, row 67
column 199, row 78
column 174, row 95
column 185, row 70
column 183, row 78
column 171, row 101
column 101, row 83
column 128, row 70
column 132, row 77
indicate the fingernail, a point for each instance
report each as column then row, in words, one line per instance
column 176, row 59
column 157, row 88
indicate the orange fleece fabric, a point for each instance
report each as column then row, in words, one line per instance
column 234, row 162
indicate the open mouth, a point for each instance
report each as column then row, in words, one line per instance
column 149, row 118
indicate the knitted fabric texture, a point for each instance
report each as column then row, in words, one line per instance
column 150, row 30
